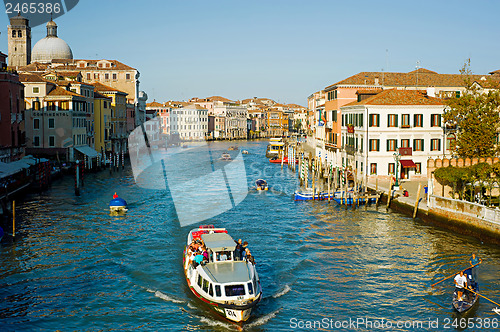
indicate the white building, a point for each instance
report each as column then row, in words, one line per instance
column 374, row 129
column 189, row 122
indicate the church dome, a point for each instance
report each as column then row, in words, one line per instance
column 51, row 47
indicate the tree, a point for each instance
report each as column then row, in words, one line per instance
column 476, row 116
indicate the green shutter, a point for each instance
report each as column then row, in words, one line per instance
column 370, row 117
column 422, row 141
column 378, row 120
column 397, row 121
column 361, row 120
column 388, row 120
column 439, row 120
column 387, row 148
column 378, row 144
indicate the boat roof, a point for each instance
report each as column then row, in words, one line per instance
column 228, row 272
column 276, row 143
column 219, row 241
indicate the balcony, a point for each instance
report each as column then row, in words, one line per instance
column 349, row 149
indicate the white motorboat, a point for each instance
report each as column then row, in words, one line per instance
column 230, row 286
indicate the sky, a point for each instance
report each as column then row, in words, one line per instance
column 279, row 49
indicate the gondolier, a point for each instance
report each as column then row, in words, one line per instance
column 474, row 261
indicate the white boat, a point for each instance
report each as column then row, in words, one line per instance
column 225, row 156
column 497, row 310
column 230, row 287
column 275, row 146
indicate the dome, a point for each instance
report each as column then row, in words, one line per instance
column 51, row 47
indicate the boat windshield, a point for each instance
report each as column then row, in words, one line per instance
column 234, row 290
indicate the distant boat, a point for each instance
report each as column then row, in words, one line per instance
column 261, row 184
column 468, row 298
column 274, row 147
column 225, row 156
column 277, row 160
column 117, row 204
column 307, row 196
column 244, row 151
column 497, row 310
column 231, row 287
column 233, row 148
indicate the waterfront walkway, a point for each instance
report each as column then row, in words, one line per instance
column 410, row 185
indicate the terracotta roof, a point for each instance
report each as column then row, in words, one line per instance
column 35, row 66
column 175, row 104
column 97, row 95
column 31, row 77
column 399, row 97
column 217, row 98
column 424, row 71
column 104, row 88
column 58, row 91
column 425, row 78
column 496, row 72
column 488, row 84
column 154, row 104
column 295, row 106
column 369, row 91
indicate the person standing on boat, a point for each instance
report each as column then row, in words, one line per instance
column 238, row 250
column 243, row 250
column 460, row 283
column 474, row 260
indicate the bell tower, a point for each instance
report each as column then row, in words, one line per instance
column 19, row 40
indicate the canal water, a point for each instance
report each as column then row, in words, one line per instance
column 73, row 267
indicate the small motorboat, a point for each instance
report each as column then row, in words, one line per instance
column 277, row 160
column 225, row 156
column 307, row 196
column 117, row 204
column 468, row 298
column 261, row 184
column 244, row 151
column 233, row 148
column 228, row 285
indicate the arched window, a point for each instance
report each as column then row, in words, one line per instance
column 13, row 33
column 19, row 33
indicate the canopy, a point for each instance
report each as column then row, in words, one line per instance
column 87, row 150
column 219, row 241
column 407, row 163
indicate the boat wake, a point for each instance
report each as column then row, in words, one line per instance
column 164, row 296
column 227, row 326
column 282, row 292
column 264, row 319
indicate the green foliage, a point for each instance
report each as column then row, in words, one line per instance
column 477, row 117
column 460, row 178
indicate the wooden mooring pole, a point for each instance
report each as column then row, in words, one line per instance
column 417, row 201
column 14, row 219
column 389, row 195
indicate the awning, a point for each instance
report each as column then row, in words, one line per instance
column 87, row 150
column 7, row 169
column 407, row 163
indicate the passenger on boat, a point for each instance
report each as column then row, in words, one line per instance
column 249, row 257
column 243, row 249
column 460, row 283
column 238, row 251
column 474, row 261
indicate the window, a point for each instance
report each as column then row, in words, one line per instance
column 405, row 143
column 418, row 168
column 210, row 290
column 200, row 280
column 13, row 33
column 36, row 141
column 392, row 145
column 36, row 123
column 392, row 168
column 234, row 290
column 374, row 120
column 450, row 141
column 418, row 120
column 435, row 120
column 405, row 121
column 20, row 34
column 217, row 291
column 36, row 89
column 334, row 116
column 418, row 145
column 96, row 76
column 36, row 105
column 250, row 288
column 52, row 141
column 205, row 285
column 114, row 76
column 435, row 144
column 89, row 76
column 392, row 120
column 373, row 168
column 52, row 123
column 106, row 76
column 127, row 77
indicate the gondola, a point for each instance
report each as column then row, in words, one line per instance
column 468, row 298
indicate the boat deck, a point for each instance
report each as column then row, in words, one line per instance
column 226, row 272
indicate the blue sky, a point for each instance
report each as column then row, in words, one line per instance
column 280, row 49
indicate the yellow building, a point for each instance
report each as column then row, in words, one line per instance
column 118, row 124
column 102, row 122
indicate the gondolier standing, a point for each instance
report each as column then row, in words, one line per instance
column 474, row 260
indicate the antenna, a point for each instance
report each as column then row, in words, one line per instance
column 417, row 67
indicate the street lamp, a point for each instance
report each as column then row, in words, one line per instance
column 397, row 157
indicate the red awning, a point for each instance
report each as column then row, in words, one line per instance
column 407, row 163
